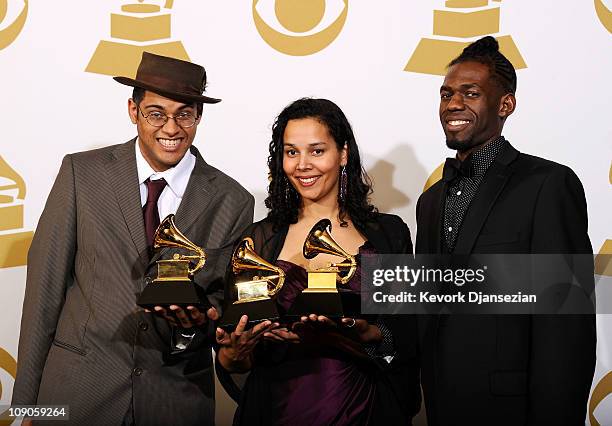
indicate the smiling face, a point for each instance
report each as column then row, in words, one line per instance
column 162, row 147
column 473, row 107
column 312, row 161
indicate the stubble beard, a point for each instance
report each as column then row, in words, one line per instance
column 458, row 145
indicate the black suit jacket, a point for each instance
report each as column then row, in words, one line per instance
column 509, row 369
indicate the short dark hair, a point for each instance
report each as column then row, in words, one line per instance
column 138, row 94
column 283, row 200
column 486, row 51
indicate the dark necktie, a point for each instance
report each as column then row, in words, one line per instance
column 149, row 210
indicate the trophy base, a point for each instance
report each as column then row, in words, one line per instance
column 257, row 311
column 180, row 293
column 432, row 56
column 333, row 305
column 113, row 58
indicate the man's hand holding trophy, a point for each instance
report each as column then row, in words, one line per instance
column 173, row 294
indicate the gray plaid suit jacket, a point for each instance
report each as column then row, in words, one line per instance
column 84, row 342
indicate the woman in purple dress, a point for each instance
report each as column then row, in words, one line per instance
column 318, row 371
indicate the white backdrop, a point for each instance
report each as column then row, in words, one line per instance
column 51, row 106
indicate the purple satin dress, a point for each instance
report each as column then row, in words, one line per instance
column 315, row 382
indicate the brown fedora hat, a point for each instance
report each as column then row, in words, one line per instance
column 170, row 77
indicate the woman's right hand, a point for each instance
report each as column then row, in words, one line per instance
column 237, row 347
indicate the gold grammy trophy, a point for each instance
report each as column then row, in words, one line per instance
column 254, row 296
column 174, row 283
column 138, row 28
column 322, row 296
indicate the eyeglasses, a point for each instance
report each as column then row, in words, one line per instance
column 158, row 119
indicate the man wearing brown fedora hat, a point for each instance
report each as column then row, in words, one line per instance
column 84, row 341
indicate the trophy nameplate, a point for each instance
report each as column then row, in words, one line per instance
column 322, row 295
column 174, row 283
column 322, row 281
column 253, row 296
column 251, row 291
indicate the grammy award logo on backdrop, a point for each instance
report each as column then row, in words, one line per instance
column 603, row 267
column 435, row 176
column 14, row 241
column 9, row 33
column 604, row 14
column 603, row 261
column 299, row 27
column 8, row 364
column 600, row 392
column 456, row 26
column 139, row 27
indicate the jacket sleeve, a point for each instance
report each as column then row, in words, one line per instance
column 558, row 394
column 401, row 378
column 244, row 218
column 50, row 274
column 218, row 290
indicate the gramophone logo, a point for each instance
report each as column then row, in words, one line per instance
column 603, row 268
column 14, row 242
column 600, row 392
column 8, row 33
column 454, row 27
column 139, row 27
column 435, row 176
column 604, row 14
column 603, row 261
column 8, row 364
column 299, row 27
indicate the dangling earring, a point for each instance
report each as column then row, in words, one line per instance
column 287, row 191
column 343, row 183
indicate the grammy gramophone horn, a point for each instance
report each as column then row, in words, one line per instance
column 319, row 240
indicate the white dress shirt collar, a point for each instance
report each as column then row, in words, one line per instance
column 177, row 177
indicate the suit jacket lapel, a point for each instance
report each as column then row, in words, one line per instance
column 124, row 178
column 436, row 220
column 480, row 207
column 431, row 211
column 198, row 195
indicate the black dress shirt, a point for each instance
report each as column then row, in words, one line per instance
column 463, row 179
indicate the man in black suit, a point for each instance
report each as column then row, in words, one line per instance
column 500, row 369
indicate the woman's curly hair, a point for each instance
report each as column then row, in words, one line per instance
column 283, row 200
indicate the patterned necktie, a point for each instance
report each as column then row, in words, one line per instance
column 149, row 210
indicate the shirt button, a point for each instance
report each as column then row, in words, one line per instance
column 450, row 228
column 137, row 371
column 458, row 192
column 143, row 326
